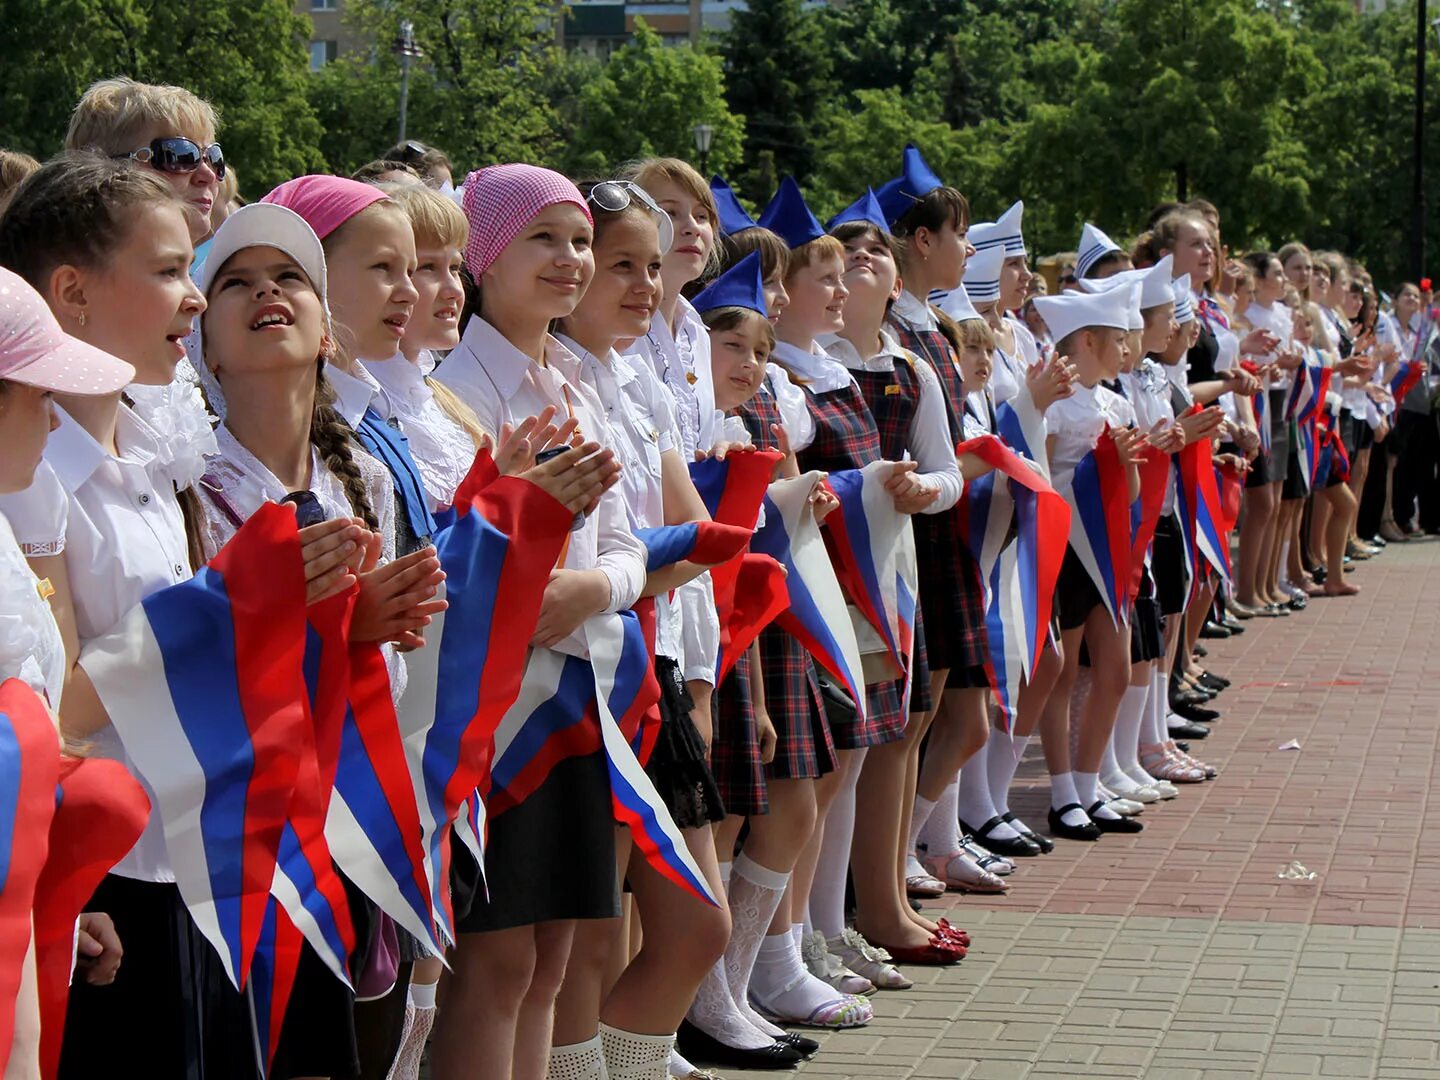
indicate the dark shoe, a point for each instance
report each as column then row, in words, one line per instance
column 1235, row 628
column 1200, row 650
column 1185, row 746
column 1213, row 630
column 1196, row 714
column 1117, row 824
column 1044, row 843
column 799, row 1042
column 1318, row 574
column 698, row 1046
column 1211, row 681
column 1088, row 831
column 1011, row 847
column 1188, row 697
column 1189, row 730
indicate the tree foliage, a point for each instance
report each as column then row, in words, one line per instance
column 647, row 100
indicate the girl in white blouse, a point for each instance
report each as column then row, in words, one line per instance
column 551, row 859
column 38, row 360
column 683, row 936
column 108, row 247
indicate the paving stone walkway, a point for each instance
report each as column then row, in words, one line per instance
column 1178, row 954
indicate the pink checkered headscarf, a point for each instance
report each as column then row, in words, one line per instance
column 325, row 202
column 500, row 200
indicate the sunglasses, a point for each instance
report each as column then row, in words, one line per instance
column 179, row 155
column 612, row 196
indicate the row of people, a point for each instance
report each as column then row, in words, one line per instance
column 591, row 369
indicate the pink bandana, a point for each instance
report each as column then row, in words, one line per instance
column 325, row 202
column 500, row 201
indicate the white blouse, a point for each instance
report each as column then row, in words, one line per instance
column 1076, row 423
column 504, row 386
column 31, row 649
column 443, row 450
column 120, row 528
column 1008, row 378
column 681, row 360
column 642, row 419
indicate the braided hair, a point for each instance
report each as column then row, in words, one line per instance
column 331, row 436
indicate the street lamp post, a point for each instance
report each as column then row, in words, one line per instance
column 406, row 49
column 703, row 133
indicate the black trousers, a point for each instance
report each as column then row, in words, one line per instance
column 1372, row 496
column 1417, row 438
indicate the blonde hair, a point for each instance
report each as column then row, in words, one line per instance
column 437, row 221
column 822, row 247
column 646, row 171
column 975, row 334
column 450, row 404
column 113, row 113
column 14, row 167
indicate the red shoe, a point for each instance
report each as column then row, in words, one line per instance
column 953, row 933
column 937, row 952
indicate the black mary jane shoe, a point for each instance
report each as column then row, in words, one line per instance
column 1211, row 681
column 1214, row 630
column 804, row 1044
column 1189, row 730
column 698, row 1046
column 1235, row 628
column 1013, row 847
column 1115, row 824
column 1196, row 714
column 1044, row 843
column 1088, row 831
column 1188, row 697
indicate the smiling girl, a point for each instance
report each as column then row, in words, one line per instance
column 529, row 254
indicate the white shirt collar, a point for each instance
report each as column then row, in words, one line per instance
column 506, row 366
column 842, row 350
column 820, row 372
column 397, row 377
column 611, row 366
column 915, row 311
column 75, row 455
column 353, row 392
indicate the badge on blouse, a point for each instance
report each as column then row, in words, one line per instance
column 44, row 588
column 691, row 378
column 892, row 389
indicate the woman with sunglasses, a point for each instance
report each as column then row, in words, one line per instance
column 165, row 129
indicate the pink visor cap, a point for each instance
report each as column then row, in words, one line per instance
column 35, row 351
column 325, row 202
column 500, row 200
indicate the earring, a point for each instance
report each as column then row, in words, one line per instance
column 82, row 318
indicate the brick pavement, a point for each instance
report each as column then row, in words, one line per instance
column 1177, row 954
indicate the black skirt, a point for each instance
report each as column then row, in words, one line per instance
column 678, row 765
column 1146, row 635
column 1075, row 593
column 1167, row 565
column 967, row 678
column 172, row 1012
column 551, row 857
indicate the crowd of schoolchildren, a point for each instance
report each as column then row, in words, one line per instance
column 332, row 526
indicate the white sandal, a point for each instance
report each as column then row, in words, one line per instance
column 869, row 961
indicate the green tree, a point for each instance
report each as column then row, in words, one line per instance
column 247, row 57
column 479, row 90
column 647, row 99
column 779, row 73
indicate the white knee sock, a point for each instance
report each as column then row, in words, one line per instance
column 1063, row 793
column 976, row 807
column 630, row 1055
column 827, row 893
column 1157, row 705
column 942, row 832
column 1128, row 734
column 924, row 808
column 578, row 1061
column 755, row 894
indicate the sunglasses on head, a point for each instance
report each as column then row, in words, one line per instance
column 180, row 155
column 612, row 196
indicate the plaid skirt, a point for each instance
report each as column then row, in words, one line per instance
column 884, row 721
column 951, row 598
column 735, row 748
column 804, row 749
